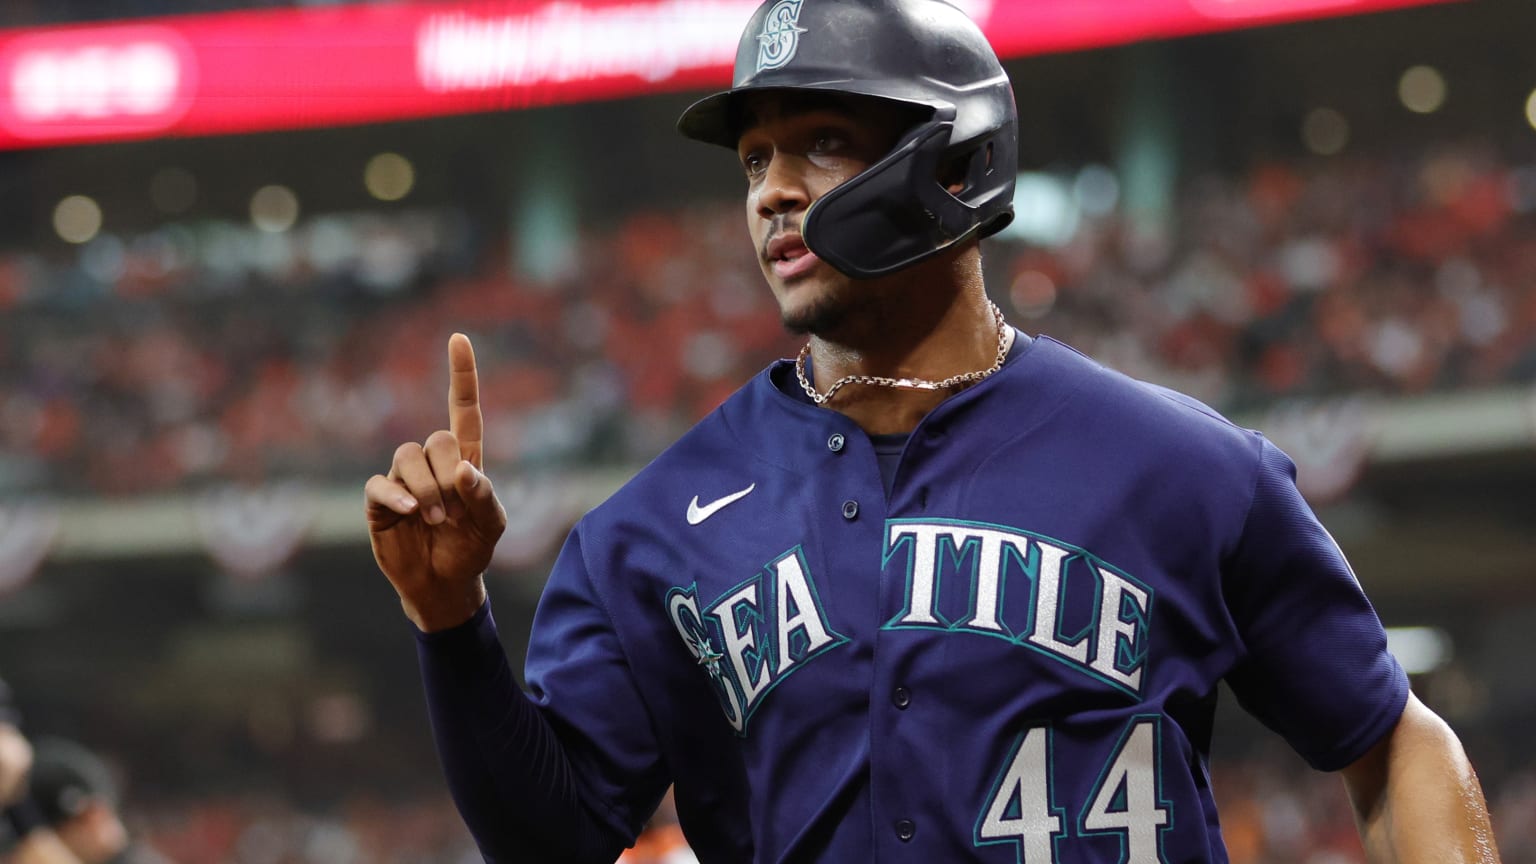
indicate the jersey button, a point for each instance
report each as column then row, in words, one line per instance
column 905, row 828
column 901, row 697
column 850, row 509
column 836, row 442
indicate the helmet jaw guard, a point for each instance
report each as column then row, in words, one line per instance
column 921, row 53
column 896, row 213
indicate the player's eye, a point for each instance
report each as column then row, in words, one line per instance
column 754, row 163
column 828, row 141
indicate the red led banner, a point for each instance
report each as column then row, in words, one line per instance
column 286, row 69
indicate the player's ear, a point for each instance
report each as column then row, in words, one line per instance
column 952, row 176
column 954, row 172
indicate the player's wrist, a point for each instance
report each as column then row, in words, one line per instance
column 448, row 611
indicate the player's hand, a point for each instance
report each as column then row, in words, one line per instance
column 434, row 520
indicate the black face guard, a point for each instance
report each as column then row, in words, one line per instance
column 874, row 224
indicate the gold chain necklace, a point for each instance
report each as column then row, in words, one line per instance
column 908, row 383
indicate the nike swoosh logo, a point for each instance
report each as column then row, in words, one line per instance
column 697, row 514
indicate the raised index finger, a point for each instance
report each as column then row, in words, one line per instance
column 464, row 419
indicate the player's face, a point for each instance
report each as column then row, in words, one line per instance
column 794, row 149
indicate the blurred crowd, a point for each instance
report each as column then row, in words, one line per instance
column 215, row 352
column 63, row 803
column 1273, row 811
column 1394, row 273
column 210, row 352
column 360, row 830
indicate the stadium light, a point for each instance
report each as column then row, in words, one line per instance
column 389, row 176
column 1325, row 131
column 1045, row 211
column 1422, row 89
column 77, row 219
column 274, row 209
column 1419, row 649
column 1097, row 190
column 1033, row 294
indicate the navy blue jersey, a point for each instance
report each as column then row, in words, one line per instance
column 1012, row 657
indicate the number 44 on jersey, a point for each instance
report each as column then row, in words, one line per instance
column 1127, row 799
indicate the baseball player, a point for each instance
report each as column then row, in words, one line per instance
column 933, row 591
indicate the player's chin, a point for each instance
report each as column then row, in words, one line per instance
column 805, row 310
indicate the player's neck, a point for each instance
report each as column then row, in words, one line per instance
column 932, row 325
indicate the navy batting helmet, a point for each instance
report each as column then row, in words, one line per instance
column 925, row 54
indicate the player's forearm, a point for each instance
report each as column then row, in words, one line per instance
column 1417, row 798
column 507, row 770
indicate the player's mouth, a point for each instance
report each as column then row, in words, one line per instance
column 789, row 256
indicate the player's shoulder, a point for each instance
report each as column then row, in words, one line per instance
column 1156, row 418
column 726, row 438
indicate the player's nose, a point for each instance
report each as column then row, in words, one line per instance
column 783, row 189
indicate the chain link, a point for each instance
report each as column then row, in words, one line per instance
column 907, row 383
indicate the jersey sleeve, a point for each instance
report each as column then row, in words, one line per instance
column 1315, row 666
column 566, row 774
column 506, row 769
column 580, row 675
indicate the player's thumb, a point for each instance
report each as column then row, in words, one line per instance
column 480, row 502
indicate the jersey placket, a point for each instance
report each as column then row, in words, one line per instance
column 902, row 782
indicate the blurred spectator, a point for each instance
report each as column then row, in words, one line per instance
column 25, row 837
column 15, row 752
column 77, row 796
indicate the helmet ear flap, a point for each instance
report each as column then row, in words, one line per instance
column 989, row 195
column 966, row 169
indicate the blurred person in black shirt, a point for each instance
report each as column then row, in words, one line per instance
column 78, row 797
column 25, row 837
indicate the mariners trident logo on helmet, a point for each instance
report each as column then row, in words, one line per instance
column 780, row 36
